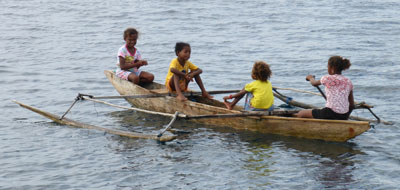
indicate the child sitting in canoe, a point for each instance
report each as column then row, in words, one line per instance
column 259, row 96
column 339, row 92
column 130, row 60
column 181, row 71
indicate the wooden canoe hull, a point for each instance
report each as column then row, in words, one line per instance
column 328, row 130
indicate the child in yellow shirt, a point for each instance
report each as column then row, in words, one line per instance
column 181, row 71
column 259, row 92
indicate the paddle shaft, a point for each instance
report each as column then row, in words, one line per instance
column 320, row 91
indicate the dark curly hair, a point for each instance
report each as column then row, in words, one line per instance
column 130, row 31
column 338, row 63
column 261, row 71
column 179, row 46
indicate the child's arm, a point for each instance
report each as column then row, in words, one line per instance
column 237, row 95
column 135, row 63
column 178, row 72
column 351, row 101
column 312, row 80
column 194, row 73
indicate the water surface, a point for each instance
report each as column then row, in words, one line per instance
column 50, row 51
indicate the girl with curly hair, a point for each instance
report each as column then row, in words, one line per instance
column 259, row 96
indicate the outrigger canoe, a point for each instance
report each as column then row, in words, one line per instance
column 327, row 130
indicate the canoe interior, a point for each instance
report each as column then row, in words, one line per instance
column 160, row 88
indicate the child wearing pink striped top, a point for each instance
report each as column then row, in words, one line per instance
column 338, row 89
column 130, row 60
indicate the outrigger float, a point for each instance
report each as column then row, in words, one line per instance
column 154, row 98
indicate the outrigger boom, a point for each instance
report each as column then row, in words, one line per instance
column 66, row 121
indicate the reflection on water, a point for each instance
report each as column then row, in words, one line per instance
column 335, row 160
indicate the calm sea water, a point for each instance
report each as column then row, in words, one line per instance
column 52, row 50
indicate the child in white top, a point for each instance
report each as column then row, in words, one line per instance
column 130, row 60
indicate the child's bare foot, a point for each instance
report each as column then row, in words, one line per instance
column 228, row 105
column 181, row 98
column 206, row 95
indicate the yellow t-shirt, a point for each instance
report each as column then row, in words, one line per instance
column 263, row 98
column 175, row 64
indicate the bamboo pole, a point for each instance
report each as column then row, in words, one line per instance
column 157, row 95
column 130, row 108
column 169, row 124
column 70, row 122
column 297, row 90
column 192, row 93
column 180, row 115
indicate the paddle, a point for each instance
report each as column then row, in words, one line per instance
column 319, row 89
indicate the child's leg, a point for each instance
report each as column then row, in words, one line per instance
column 133, row 78
column 231, row 105
column 238, row 96
column 174, row 84
column 203, row 90
column 304, row 113
column 146, row 77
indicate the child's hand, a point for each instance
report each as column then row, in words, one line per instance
column 309, row 77
column 144, row 62
column 227, row 98
column 189, row 77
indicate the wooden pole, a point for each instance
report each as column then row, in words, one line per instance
column 180, row 115
column 157, row 95
column 66, row 121
column 362, row 104
column 297, row 90
column 130, row 108
column 169, row 125
column 308, row 106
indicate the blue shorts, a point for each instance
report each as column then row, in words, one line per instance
column 248, row 107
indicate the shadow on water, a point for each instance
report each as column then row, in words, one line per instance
column 331, row 163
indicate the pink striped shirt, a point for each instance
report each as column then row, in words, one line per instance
column 337, row 89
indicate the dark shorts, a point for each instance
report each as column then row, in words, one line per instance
column 327, row 113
